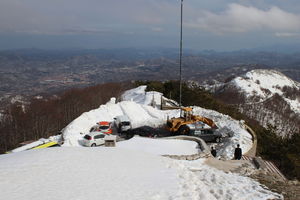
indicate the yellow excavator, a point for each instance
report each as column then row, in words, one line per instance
column 179, row 126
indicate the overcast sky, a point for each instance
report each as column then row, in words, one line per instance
column 208, row 24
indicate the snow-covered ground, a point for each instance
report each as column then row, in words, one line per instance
column 136, row 105
column 160, row 146
column 85, row 173
column 134, row 169
column 123, row 172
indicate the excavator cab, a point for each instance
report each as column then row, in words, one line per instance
column 186, row 113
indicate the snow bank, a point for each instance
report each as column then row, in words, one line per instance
column 140, row 96
column 56, row 138
column 28, row 146
column 144, row 115
column 139, row 115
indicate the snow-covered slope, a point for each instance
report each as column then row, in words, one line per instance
column 118, row 173
column 265, row 84
column 267, row 96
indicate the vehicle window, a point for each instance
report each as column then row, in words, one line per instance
column 199, row 125
column 99, row 136
column 87, row 137
column 210, row 132
column 104, row 127
column 125, row 123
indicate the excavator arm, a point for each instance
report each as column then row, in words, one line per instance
column 205, row 120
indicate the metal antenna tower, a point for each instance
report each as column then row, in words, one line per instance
column 180, row 57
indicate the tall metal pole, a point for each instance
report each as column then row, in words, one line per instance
column 180, row 57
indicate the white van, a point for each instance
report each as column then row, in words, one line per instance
column 122, row 123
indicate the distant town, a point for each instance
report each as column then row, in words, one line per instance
column 32, row 72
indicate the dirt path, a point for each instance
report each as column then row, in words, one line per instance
column 229, row 165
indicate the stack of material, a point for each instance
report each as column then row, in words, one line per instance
column 110, row 141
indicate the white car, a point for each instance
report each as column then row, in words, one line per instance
column 93, row 139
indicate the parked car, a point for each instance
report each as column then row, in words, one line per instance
column 122, row 123
column 205, row 132
column 93, row 139
column 208, row 135
column 103, row 127
column 147, row 131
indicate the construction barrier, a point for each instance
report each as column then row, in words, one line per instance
column 46, row 145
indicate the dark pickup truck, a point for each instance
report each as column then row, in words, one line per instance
column 208, row 135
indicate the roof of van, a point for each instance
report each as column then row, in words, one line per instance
column 103, row 123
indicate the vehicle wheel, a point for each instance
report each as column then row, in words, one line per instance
column 218, row 140
column 128, row 135
column 93, row 145
column 184, row 130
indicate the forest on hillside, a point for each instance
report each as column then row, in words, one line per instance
column 42, row 118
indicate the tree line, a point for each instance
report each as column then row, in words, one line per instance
column 41, row 118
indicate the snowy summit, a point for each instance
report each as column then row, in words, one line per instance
column 265, row 84
column 135, row 169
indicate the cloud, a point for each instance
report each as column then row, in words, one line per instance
column 239, row 19
column 287, row 34
column 77, row 16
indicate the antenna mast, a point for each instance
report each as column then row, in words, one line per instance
column 180, row 56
